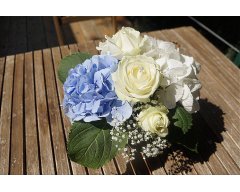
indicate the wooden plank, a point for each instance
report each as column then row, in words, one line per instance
column 58, row 138
column 156, row 166
column 123, row 167
column 76, row 169
column 46, row 151
column 226, row 160
column 77, row 33
column 31, row 131
column 110, row 168
column 5, row 118
column 104, row 27
column 17, row 133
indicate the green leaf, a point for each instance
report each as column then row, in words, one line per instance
column 184, row 119
column 69, row 62
column 91, row 145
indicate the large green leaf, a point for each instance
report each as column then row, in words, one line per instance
column 184, row 119
column 91, row 145
column 69, row 62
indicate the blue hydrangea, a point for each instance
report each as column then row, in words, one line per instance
column 89, row 92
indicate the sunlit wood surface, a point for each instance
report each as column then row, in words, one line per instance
column 33, row 128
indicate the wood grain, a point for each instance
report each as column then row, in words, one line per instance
column 17, row 132
column 5, row 118
column 58, row 138
column 31, row 131
column 34, row 128
column 45, row 143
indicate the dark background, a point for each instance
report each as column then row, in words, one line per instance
column 21, row 34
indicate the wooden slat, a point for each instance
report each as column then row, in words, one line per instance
column 77, row 32
column 156, row 166
column 31, row 132
column 17, row 132
column 46, row 152
column 5, row 118
column 123, row 167
column 58, row 138
column 226, row 160
column 105, row 27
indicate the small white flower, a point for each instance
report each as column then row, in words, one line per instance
column 154, row 120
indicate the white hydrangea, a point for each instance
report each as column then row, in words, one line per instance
column 179, row 82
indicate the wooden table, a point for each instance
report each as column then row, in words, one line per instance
column 33, row 128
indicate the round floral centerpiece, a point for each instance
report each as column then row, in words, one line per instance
column 137, row 96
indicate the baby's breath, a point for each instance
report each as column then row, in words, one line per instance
column 147, row 143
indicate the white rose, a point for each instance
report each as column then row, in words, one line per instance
column 126, row 42
column 136, row 78
column 155, row 120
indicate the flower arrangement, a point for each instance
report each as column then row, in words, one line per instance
column 137, row 96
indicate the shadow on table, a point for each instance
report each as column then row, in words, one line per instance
column 209, row 123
